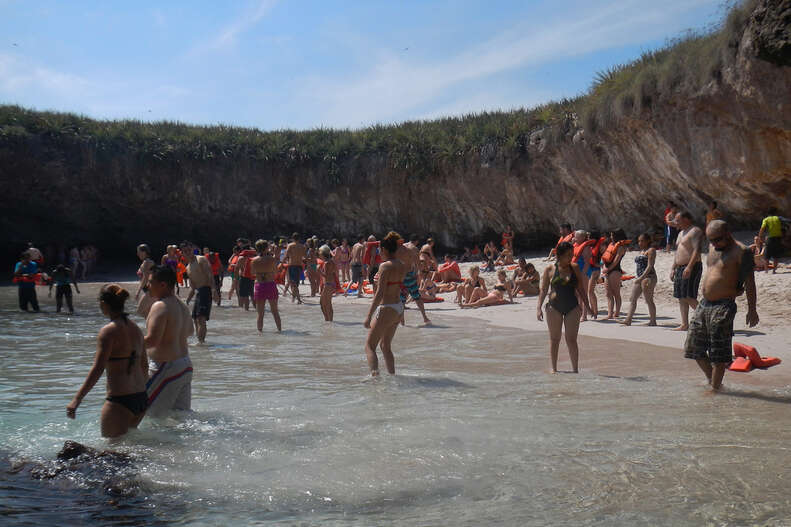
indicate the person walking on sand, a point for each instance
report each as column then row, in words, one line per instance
column 387, row 306
column 121, row 353
column 356, row 264
column 168, row 327
column 773, row 228
column 687, row 268
column 671, row 230
column 729, row 274
column 564, row 280
column 645, row 282
column 408, row 255
column 264, row 267
column 612, row 271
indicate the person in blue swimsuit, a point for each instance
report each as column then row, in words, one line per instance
column 25, row 273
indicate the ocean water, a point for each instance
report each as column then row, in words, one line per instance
column 288, row 429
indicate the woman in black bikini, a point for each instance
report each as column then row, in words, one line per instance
column 565, row 281
column 120, row 351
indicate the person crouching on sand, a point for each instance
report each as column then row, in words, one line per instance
column 119, row 351
column 388, row 301
column 565, row 282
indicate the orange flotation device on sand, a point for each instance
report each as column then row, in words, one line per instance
column 435, row 299
column 747, row 358
column 626, row 277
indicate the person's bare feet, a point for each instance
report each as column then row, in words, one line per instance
column 681, row 328
column 652, row 323
column 626, row 322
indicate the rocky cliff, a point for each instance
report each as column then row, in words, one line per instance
column 725, row 137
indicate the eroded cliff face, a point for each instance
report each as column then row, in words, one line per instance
column 729, row 141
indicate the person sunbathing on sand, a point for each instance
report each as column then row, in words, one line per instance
column 465, row 290
column 506, row 257
column 526, row 279
column 496, row 297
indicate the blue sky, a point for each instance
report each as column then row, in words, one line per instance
column 304, row 64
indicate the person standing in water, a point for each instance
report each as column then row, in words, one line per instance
column 144, row 272
column 729, row 274
column 25, row 273
column 202, row 283
column 62, row 280
column 387, row 306
column 565, row 281
column 295, row 256
column 357, row 265
column 264, row 267
column 167, row 328
column 687, row 268
column 121, row 353
column 408, row 255
column 328, row 272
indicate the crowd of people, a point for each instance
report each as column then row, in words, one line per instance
column 396, row 272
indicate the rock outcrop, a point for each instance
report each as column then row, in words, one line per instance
column 729, row 140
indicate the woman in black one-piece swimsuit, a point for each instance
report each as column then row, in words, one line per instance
column 565, row 281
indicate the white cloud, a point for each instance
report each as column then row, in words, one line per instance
column 395, row 86
column 227, row 36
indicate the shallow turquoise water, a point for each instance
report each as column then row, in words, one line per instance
column 288, row 429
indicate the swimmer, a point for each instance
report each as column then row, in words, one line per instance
column 564, row 280
column 594, row 270
column 62, row 280
column 343, row 255
column 168, row 327
column 311, row 266
column 25, row 272
column 216, row 271
column 202, row 283
column 121, row 353
column 646, row 280
column 408, row 255
column 494, row 298
column 356, row 265
column 387, row 306
column 144, row 272
column 327, row 272
column 246, row 277
column 295, row 258
column 264, row 266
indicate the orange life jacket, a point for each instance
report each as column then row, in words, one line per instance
column 566, row 238
column 214, row 260
column 580, row 247
column 612, row 250
column 232, row 262
column 248, row 255
column 595, row 260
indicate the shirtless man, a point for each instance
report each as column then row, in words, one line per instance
column 264, row 267
column 408, row 255
column 687, row 267
column 202, row 283
column 566, row 235
column 356, row 264
column 729, row 274
column 168, row 325
column 295, row 258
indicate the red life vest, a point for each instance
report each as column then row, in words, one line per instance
column 372, row 250
column 214, row 260
column 566, row 238
column 612, row 250
column 595, row 259
column 248, row 255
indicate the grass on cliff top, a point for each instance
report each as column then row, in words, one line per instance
column 682, row 66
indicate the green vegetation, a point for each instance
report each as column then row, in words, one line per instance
column 683, row 65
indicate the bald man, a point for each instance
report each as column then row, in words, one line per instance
column 729, row 273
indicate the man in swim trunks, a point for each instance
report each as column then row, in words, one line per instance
column 356, row 264
column 687, row 267
column 408, row 255
column 62, row 280
column 264, row 267
column 729, row 274
column 167, row 328
column 295, row 258
column 202, row 283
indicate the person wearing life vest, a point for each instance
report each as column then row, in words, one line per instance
column 594, row 270
column 508, row 239
column 233, row 271
column 372, row 258
column 25, row 273
column 582, row 253
column 566, row 235
column 246, row 277
column 216, row 271
column 729, row 273
column 611, row 259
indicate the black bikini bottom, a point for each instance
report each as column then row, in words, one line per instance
column 134, row 402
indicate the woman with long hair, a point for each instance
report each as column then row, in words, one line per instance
column 387, row 306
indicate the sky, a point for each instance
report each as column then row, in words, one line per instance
column 277, row 64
